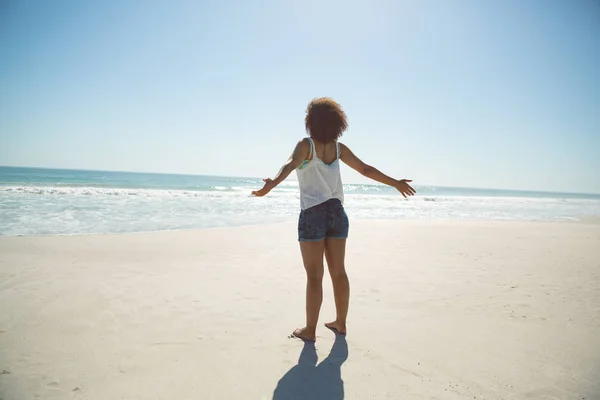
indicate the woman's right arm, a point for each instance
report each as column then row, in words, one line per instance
column 348, row 157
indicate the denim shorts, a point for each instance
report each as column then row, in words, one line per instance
column 325, row 220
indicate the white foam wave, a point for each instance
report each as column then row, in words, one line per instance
column 103, row 191
column 49, row 210
column 220, row 191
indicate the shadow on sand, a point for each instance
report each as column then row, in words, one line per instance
column 307, row 380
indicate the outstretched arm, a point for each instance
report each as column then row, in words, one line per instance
column 298, row 156
column 371, row 172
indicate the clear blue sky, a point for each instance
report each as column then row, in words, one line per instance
column 500, row 94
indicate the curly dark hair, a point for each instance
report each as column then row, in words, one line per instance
column 325, row 120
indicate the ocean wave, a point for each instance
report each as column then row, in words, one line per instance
column 219, row 191
column 103, row 191
column 41, row 210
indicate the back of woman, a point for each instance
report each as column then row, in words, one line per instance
column 323, row 224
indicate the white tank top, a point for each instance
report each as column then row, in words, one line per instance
column 318, row 181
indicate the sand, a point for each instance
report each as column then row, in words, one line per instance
column 439, row 310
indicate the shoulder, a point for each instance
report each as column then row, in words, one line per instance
column 302, row 148
column 303, row 144
column 345, row 151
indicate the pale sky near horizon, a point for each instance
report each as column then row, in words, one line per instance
column 492, row 94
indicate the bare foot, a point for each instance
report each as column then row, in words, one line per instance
column 337, row 326
column 305, row 334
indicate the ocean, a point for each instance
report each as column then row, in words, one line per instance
column 36, row 201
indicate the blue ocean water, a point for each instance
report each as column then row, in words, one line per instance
column 56, row 202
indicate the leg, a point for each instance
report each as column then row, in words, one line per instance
column 312, row 256
column 335, row 252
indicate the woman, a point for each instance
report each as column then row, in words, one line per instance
column 323, row 223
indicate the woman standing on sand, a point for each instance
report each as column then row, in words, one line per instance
column 323, row 223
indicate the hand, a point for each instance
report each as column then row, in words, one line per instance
column 269, row 185
column 404, row 188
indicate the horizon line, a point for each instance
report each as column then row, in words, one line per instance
column 295, row 180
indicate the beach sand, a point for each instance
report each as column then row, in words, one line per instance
column 439, row 310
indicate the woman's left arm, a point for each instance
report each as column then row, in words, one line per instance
column 298, row 156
